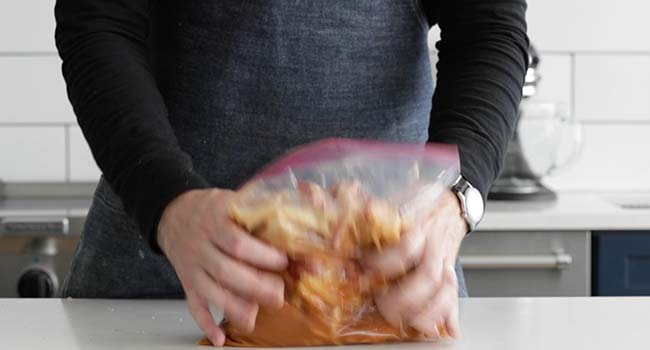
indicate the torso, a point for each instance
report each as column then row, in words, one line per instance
column 244, row 81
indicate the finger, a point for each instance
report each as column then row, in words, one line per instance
column 452, row 323
column 201, row 313
column 428, row 323
column 415, row 290
column 452, row 320
column 441, row 310
column 243, row 280
column 243, row 246
column 387, row 309
column 432, row 316
column 241, row 313
column 395, row 261
column 405, row 298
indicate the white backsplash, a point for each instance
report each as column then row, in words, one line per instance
column 595, row 58
column 620, row 26
column 613, row 87
column 608, row 49
column 614, row 156
column 32, row 153
column 82, row 165
column 33, row 91
column 27, row 26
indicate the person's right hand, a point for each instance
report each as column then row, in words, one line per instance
column 218, row 263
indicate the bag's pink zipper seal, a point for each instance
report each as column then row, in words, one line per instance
column 336, row 148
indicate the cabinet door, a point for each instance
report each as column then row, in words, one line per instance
column 506, row 264
column 621, row 263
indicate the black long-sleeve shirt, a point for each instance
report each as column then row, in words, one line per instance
column 178, row 95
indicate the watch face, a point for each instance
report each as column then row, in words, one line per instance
column 474, row 205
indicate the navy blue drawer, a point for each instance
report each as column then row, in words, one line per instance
column 621, row 263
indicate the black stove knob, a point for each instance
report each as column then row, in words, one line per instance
column 36, row 283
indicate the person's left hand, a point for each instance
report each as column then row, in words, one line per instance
column 426, row 297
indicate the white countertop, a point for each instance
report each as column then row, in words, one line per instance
column 500, row 323
column 572, row 211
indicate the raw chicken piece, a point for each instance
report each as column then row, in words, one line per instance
column 286, row 223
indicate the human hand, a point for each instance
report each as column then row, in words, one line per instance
column 426, row 296
column 218, row 263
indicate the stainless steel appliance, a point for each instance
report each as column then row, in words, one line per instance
column 38, row 237
column 527, row 263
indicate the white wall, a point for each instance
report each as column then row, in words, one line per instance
column 596, row 60
column 39, row 138
column 595, row 57
column 602, row 49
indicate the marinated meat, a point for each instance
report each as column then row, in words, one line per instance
column 327, row 296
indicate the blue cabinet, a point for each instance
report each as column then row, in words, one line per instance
column 621, row 263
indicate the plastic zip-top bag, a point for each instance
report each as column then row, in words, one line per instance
column 324, row 204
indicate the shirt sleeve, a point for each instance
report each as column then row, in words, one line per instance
column 482, row 62
column 104, row 45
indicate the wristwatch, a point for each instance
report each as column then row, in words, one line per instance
column 471, row 202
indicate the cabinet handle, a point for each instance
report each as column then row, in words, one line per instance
column 34, row 226
column 555, row 261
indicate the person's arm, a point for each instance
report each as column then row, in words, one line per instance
column 103, row 45
column 482, row 63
